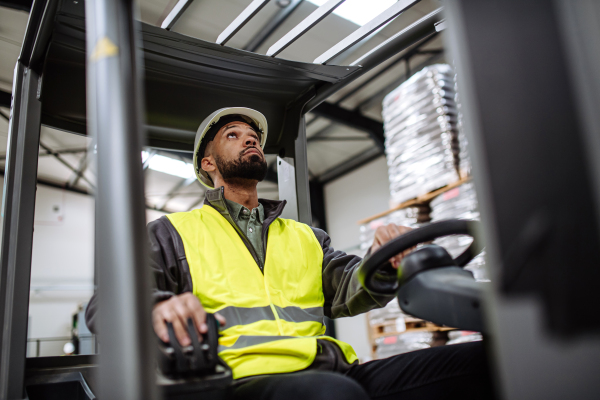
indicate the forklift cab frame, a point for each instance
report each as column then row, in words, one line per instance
column 92, row 69
column 99, row 72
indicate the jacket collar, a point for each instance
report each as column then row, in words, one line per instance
column 216, row 199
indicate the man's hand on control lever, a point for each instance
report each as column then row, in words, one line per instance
column 177, row 310
column 384, row 234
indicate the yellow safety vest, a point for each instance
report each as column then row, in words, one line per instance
column 273, row 319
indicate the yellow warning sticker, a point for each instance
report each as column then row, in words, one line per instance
column 104, row 48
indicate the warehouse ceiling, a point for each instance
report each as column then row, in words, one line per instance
column 334, row 148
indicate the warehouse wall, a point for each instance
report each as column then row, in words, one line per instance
column 62, row 272
column 358, row 195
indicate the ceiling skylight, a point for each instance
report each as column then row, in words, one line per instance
column 359, row 11
column 169, row 165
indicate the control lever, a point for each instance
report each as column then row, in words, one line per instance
column 198, row 359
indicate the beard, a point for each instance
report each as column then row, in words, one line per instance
column 249, row 168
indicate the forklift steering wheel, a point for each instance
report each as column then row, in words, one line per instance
column 375, row 262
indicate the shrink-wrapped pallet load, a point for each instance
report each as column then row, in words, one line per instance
column 460, row 202
column 421, row 137
column 405, row 217
column 463, row 143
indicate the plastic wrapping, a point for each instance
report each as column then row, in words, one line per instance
column 460, row 202
column 464, row 158
column 396, row 333
column 388, row 346
column 456, row 337
column 405, row 217
column 421, row 137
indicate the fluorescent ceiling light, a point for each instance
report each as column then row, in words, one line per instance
column 169, row 165
column 359, row 11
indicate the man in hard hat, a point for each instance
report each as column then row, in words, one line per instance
column 270, row 281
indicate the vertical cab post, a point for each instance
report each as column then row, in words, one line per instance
column 115, row 109
column 18, row 209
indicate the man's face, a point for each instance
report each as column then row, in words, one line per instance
column 237, row 154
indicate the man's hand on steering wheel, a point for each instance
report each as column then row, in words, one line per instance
column 384, row 234
column 177, row 310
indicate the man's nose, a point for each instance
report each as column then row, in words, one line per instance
column 251, row 141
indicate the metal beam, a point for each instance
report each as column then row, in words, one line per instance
column 350, row 165
column 46, row 153
column 175, row 14
column 17, row 229
column 173, row 192
column 377, row 97
column 352, row 119
column 81, row 168
column 37, row 35
column 410, row 53
column 314, row 18
column 386, row 16
column 412, row 34
column 151, row 153
column 338, row 139
column 64, row 162
column 115, row 111
column 62, row 186
column 241, row 20
column 265, row 33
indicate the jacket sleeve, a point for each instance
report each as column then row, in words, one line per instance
column 344, row 295
column 168, row 265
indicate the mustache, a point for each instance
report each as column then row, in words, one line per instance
column 248, row 149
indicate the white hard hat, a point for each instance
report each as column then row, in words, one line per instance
column 257, row 117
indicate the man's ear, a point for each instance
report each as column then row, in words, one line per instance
column 208, row 164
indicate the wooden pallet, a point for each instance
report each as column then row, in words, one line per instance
column 387, row 328
column 383, row 330
column 423, row 199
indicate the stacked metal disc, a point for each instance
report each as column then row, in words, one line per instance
column 460, row 202
column 421, row 137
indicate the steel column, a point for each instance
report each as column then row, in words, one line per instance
column 114, row 106
column 286, row 184
column 302, row 178
column 18, row 208
column 293, row 179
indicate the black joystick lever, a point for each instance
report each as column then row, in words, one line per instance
column 198, row 359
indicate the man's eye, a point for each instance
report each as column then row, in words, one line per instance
column 229, row 135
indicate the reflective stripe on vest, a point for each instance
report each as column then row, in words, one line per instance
column 245, row 316
column 273, row 320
